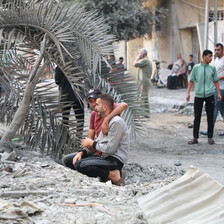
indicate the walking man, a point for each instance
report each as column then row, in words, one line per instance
column 144, row 73
column 203, row 76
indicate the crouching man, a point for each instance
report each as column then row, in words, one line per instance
column 114, row 147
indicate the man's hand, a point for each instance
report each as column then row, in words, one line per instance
column 188, row 97
column 77, row 157
column 87, row 142
column 105, row 126
column 137, row 59
column 219, row 97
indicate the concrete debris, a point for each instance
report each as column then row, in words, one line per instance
column 17, row 212
column 177, row 163
column 134, row 172
column 15, row 155
column 46, row 187
column 22, row 194
column 6, row 147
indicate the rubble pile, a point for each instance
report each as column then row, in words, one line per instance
column 37, row 190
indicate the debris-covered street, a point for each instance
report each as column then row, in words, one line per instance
column 38, row 190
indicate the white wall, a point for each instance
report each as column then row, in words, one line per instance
column 220, row 34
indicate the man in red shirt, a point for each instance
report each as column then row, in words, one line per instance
column 96, row 124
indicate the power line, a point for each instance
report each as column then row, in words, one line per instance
column 193, row 5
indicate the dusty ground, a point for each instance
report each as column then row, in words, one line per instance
column 169, row 134
column 168, row 144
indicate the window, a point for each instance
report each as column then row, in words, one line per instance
column 220, row 16
column 158, row 22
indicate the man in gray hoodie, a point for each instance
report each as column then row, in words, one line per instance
column 114, row 147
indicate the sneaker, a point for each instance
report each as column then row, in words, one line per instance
column 203, row 133
column 211, row 141
column 221, row 134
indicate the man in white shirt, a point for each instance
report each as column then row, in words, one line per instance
column 219, row 64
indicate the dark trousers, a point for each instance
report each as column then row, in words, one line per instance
column 209, row 107
column 93, row 166
column 79, row 114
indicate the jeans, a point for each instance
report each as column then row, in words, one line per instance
column 209, row 107
column 93, row 166
column 98, row 166
column 219, row 105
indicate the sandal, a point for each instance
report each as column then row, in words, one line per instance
column 211, row 141
column 193, row 141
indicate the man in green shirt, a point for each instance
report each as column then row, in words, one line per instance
column 144, row 73
column 204, row 77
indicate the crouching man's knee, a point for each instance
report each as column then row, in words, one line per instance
column 67, row 160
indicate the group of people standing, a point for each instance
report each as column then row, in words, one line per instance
column 204, row 77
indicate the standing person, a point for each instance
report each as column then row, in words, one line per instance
column 204, row 77
column 144, row 73
column 96, row 122
column 118, row 72
column 68, row 98
column 190, row 66
column 219, row 64
column 120, row 65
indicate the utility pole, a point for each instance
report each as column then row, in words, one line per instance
column 215, row 21
column 206, row 25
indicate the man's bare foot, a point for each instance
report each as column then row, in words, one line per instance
column 116, row 178
column 114, row 175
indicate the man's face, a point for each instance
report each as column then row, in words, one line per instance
column 121, row 61
column 99, row 108
column 179, row 56
column 92, row 103
column 141, row 55
column 208, row 58
column 218, row 51
column 190, row 58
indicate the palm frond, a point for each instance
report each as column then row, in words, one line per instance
column 78, row 43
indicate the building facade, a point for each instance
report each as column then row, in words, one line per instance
column 181, row 31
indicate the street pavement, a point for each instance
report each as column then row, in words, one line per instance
column 163, row 99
